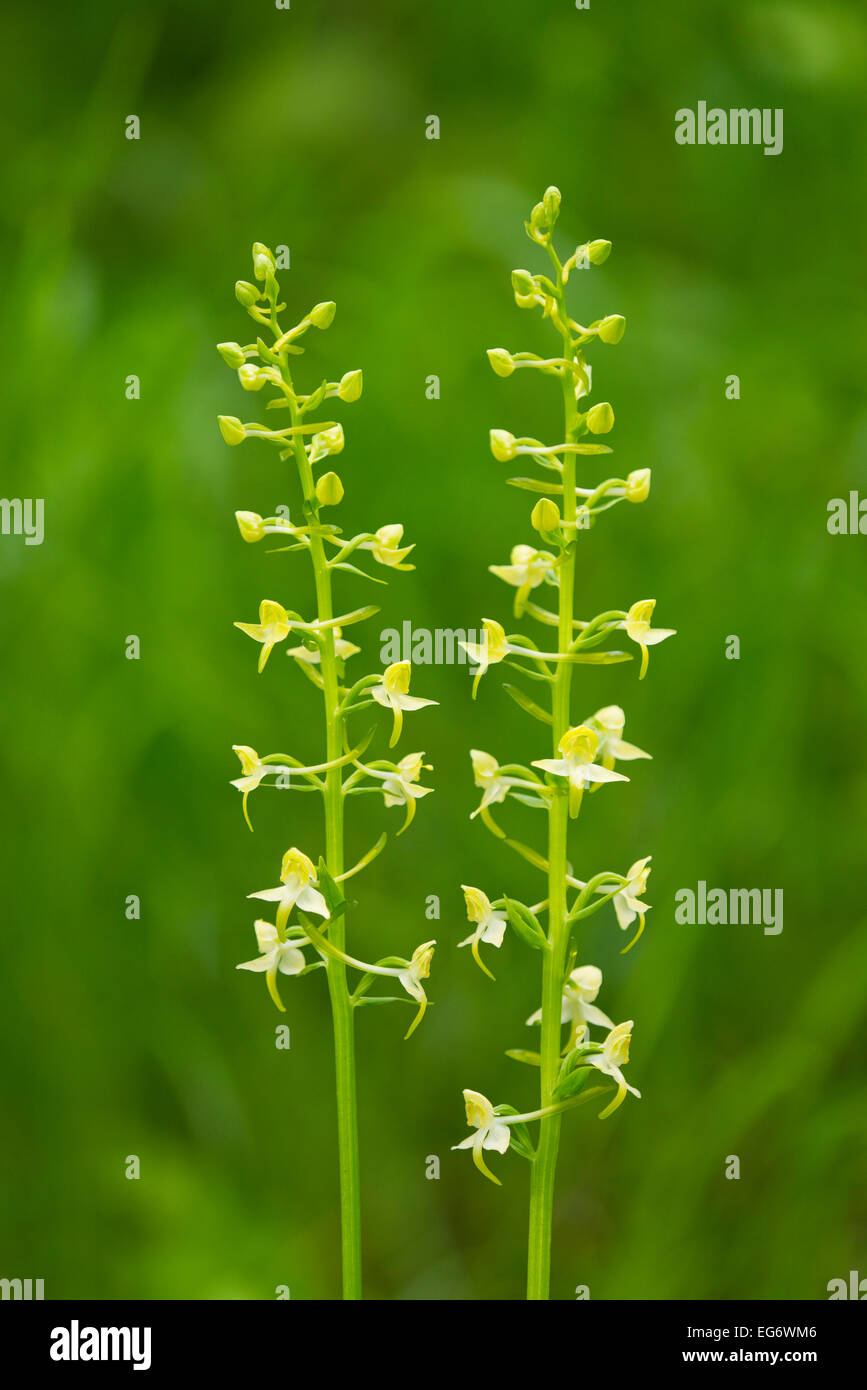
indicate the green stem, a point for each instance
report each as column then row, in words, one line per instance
column 554, row 965
column 341, row 1004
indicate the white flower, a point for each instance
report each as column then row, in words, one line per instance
column 275, row 955
column 614, row 1055
column 637, row 627
column 627, row 902
column 528, row 568
column 491, row 1132
column 392, row 693
column 609, row 724
column 411, row 976
column 578, row 1008
column 297, row 875
column 490, row 925
column 579, row 747
column 400, row 788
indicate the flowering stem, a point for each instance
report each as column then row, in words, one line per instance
column 341, row 1005
column 554, row 963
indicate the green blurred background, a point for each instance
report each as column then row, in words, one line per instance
column 306, row 128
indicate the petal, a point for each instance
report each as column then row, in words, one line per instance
column 626, row 751
column 311, row 901
column 497, row 1136
column 592, row 772
column 494, row 931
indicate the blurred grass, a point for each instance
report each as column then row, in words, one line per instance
column 306, row 127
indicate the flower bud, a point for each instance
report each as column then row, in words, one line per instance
column 251, row 377
column 599, row 251
column 329, row 490
column 326, row 442
column 245, row 293
column 264, row 263
column 599, row 418
column 545, row 516
column 524, row 286
column 551, row 204
column 322, row 315
column 232, row 353
column 638, row 485
column 231, row 429
column 350, row 386
column 612, row 328
column 501, row 361
column 503, row 445
column 251, row 526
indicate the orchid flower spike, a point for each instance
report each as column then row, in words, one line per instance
column 637, row 627
column 276, row 955
column 579, row 747
column 392, row 693
column 614, row 1055
column 297, row 885
column 491, row 1132
column 273, row 626
column 490, row 926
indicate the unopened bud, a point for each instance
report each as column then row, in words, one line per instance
column 599, row 418
column 245, row 293
column 322, row 315
column 264, row 263
column 612, row 328
column 329, row 490
column 231, row 429
column 599, row 251
column 501, row 361
column 638, row 485
column 232, row 353
column 350, row 386
column 251, row 377
column 545, row 516
column 551, row 204
column 251, row 526
column 503, row 445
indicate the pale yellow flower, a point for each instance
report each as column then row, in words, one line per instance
column 276, row 955
column 392, row 693
column 614, row 1055
column 637, row 627
column 490, row 926
column 579, row 747
column 273, row 626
